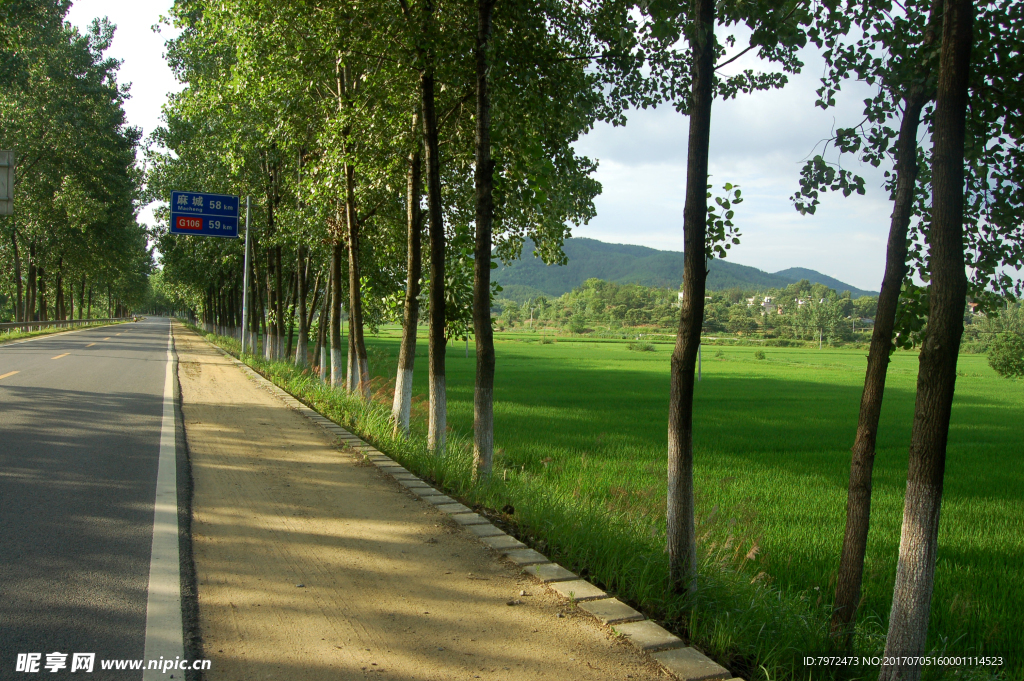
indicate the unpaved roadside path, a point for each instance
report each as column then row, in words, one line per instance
column 390, row 588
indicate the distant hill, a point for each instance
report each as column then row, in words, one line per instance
column 529, row 277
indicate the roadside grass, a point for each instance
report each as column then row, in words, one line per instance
column 581, row 439
column 8, row 336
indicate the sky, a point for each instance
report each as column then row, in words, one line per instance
column 758, row 141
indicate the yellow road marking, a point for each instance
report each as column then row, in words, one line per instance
column 9, row 373
column 107, row 338
column 90, row 345
column 59, row 356
column 118, row 334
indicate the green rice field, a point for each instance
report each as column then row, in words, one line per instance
column 580, row 474
column 588, row 420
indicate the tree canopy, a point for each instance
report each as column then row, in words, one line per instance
column 74, row 227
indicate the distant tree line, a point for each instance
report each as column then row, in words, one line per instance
column 73, row 246
column 800, row 310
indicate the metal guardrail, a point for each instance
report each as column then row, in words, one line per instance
column 58, row 323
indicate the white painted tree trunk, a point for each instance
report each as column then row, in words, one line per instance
column 337, row 360
column 352, row 384
column 402, row 406
column 301, row 350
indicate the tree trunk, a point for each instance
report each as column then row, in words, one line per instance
column 81, row 298
column 290, row 314
column 58, row 298
column 483, row 393
column 936, row 377
column 30, row 294
column 402, row 406
column 351, row 377
column 360, row 372
column 254, row 299
column 19, row 306
column 263, row 320
column 321, row 355
column 320, row 349
column 41, row 281
column 858, row 502
column 278, row 305
column 682, row 546
column 88, row 312
column 229, row 301
column 438, row 413
column 337, row 253
column 302, row 343
column 316, row 299
column 270, row 334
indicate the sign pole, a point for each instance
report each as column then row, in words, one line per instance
column 245, row 280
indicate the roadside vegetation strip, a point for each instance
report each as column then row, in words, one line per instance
column 642, row 633
column 745, row 625
column 12, row 337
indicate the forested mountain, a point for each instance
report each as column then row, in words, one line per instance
column 627, row 264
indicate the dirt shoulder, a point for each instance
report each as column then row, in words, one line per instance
column 311, row 565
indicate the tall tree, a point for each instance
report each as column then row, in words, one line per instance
column 777, row 30
column 905, row 78
column 936, row 379
column 414, row 271
column 337, row 355
column 437, row 419
column 682, row 541
column 302, row 345
column 483, row 392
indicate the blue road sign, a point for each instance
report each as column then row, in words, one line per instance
column 204, row 214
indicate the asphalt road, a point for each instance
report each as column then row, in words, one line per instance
column 79, row 443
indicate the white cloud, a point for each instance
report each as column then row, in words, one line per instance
column 760, row 142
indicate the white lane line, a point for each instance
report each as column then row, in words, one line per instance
column 163, row 608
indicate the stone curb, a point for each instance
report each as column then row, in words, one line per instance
column 669, row 651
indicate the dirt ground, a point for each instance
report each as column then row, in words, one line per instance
column 311, row 565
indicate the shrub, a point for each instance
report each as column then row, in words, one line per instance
column 759, row 354
column 641, row 346
column 782, row 343
column 1006, row 355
